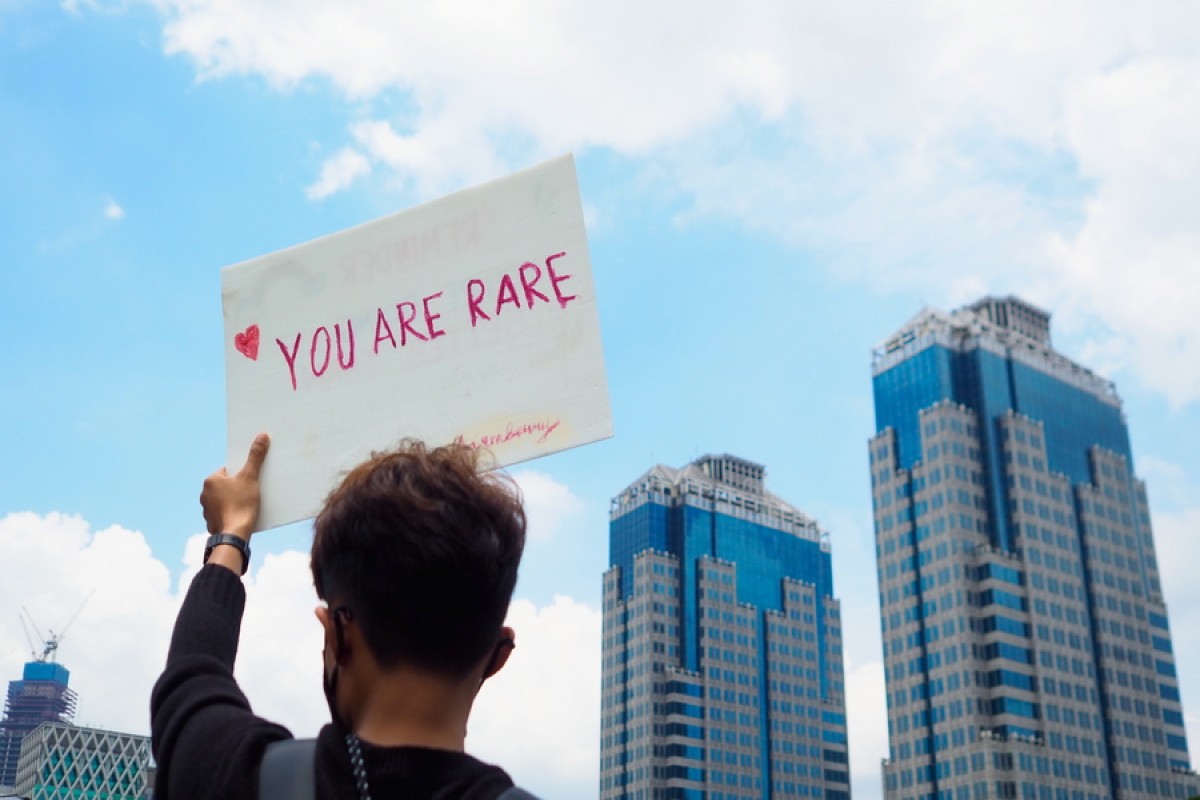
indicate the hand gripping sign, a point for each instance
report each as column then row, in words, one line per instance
column 471, row 318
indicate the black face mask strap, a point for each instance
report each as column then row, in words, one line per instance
column 329, row 680
column 357, row 762
column 494, row 661
column 339, row 632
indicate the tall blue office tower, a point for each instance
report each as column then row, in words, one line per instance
column 40, row 696
column 1026, row 642
column 722, row 653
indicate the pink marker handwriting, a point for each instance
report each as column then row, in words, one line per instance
column 416, row 322
column 528, row 275
column 320, row 350
column 540, row 429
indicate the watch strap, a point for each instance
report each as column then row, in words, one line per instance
column 228, row 538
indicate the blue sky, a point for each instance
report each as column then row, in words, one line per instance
column 769, row 195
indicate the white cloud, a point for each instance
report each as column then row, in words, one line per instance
column 953, row 148
column 337, row 173
column 866, row 718
column 539, row 717
column 112, row 210
column 549, row 505
column 279, row 662
column 509, row 83
column 1135, row 262
column 116, row 647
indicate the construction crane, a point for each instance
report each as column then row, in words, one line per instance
column 49, row 644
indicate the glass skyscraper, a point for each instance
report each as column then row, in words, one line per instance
column 1027, row 648
column 722, row 654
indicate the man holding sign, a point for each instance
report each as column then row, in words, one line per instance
column 415, row 556
column 469, row 321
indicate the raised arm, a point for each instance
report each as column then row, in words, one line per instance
column 206, row 740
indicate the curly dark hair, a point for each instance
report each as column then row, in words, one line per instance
column 422, row 546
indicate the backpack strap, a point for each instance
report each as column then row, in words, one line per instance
column 286, row 772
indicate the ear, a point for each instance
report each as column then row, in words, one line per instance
column 324, row 616
column 504, row 647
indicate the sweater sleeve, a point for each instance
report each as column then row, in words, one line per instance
column 207, row 742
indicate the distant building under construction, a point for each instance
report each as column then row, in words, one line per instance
column 40, row 696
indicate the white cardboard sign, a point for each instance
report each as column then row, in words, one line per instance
column 469, row 318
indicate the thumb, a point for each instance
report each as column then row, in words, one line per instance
column 258, row 453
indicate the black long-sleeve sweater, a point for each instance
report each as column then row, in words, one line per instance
column 209, row 744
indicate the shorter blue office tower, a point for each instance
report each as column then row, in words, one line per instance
column 722, row 654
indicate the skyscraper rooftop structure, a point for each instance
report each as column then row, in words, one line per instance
column 722, row 652
column 1026, row 640
column 42, row 695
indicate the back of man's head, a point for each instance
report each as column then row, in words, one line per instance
column 422, row 547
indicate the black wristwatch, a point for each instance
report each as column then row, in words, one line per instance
column 229, row 538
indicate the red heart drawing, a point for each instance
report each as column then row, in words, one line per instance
column 247, row 342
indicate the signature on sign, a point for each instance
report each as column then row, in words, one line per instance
column 513, row 431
